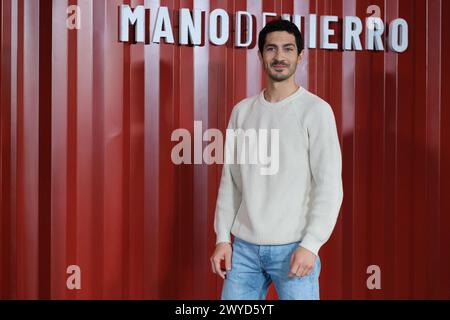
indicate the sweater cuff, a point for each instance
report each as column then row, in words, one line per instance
column 223, row 237
column 309, row 242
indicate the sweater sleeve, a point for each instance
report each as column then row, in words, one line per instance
column 230, row 192
column 326, row 185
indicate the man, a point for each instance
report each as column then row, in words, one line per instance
column 279, row 221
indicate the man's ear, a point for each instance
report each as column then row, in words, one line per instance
column 260, row 56
column 300, row 56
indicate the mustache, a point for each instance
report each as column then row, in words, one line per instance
column 276, row 62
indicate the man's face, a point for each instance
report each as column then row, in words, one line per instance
column 280, row 57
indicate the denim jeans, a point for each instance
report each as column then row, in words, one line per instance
column 254, row 267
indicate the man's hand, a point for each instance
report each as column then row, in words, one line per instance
column 302, row 262
column 223, row 252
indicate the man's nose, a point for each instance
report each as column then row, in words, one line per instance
column 279, row 56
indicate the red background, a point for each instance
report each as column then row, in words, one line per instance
column 86, row 176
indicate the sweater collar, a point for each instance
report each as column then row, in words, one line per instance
column 281, row 102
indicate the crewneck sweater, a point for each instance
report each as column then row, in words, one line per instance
column 301, row 201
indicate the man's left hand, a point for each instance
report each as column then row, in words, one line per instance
column 302, row 262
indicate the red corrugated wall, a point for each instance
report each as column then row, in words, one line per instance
column 86, row 176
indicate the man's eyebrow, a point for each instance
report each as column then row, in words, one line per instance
column 284, row 45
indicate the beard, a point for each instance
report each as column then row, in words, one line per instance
column 283, row 75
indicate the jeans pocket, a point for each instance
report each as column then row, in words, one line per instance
column 317, row 267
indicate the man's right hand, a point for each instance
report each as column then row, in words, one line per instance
column 223, row 252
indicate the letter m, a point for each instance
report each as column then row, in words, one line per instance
column 135, row 18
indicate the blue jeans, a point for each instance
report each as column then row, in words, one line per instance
column 254, row 267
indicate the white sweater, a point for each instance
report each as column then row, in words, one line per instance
column 301, row 202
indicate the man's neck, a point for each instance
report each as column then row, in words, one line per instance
column 278, row 91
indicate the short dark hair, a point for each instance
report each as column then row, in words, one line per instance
column 280, row 25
